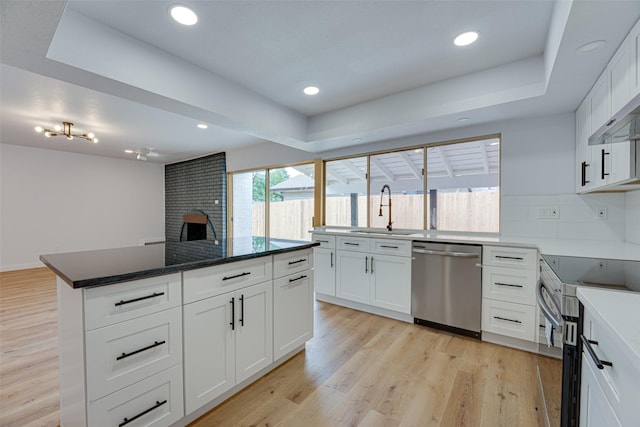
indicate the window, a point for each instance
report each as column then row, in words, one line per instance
column 346, row 192
column 278, row 202
column 463, row 181
column 462, row 188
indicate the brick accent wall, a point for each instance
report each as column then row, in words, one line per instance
column 196, row 185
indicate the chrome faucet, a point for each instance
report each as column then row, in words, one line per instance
column 381, row 205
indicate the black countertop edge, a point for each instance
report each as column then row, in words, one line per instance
column 144, row 274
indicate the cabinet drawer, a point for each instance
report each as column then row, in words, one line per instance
column 325, row 240
column 501, row 256
column 121, row 354
column 207, row 282
column 154, row 401
column 356, row 244
column 509, row 284
column 292, row 312
column 292, row 262
column 391, row 247
column 106, row 305
column 509, row 319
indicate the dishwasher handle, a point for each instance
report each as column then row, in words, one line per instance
column 417, row 250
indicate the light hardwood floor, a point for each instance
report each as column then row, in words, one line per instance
column 358, row 370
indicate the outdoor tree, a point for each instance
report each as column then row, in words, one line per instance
column 275, row 177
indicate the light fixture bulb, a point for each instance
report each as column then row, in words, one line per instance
column 311, row 90
column 90, row 135
column 69, row 137
column 183, row 15
column 202, row 126
column 465, row 39
column 39, row 129
column 95, row 140
column 47, row 134
column 57, row 128
column 129, row 151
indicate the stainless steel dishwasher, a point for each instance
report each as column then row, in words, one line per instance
column 446, row 286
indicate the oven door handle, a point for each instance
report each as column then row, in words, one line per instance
column 546, row 310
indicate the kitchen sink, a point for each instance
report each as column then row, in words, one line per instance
column 381, row 231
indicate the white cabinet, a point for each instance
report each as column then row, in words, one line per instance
column 584, row 169
column 595, row 409
column 324, row 264
column 613, row 164
column 600, row 103
column 633, row 43
column 292, row 312
column 509, row 277
column 375, row 272
column 120, row 353
column 227, row 338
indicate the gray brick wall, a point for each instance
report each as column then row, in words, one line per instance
column 195, row 185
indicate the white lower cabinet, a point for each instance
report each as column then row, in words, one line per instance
column 324, row 263
column 391, row 282
column 292, row 312
column 227, row 338
column 154, row 401
column 352, row 276
column 595, row 409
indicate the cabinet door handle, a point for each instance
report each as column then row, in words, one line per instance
column 331, row 259
column 603, row 173
column 352, row 244
column 585, row 165
column 507, row 320
column 241, row 310
column 586, row 343
column 297, row 278
column 610, row 122
column 298, row 261
column 516, row 258
column 388, row 246
column 372, row 265
column 508, row 284
column 233, row 314
column 236, row 276
column 153, row 295
column 322, row 241
column 366, row 264
column 149, row 347
column 146, row 411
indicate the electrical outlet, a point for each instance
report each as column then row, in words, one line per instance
column 554, row 212
column 601, row 213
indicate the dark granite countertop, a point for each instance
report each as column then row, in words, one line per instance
column 109, row 266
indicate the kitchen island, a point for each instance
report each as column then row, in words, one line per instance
column 160, row 334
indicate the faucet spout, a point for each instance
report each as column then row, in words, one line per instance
column 389, row 205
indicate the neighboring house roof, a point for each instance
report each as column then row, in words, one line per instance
column 298, row 182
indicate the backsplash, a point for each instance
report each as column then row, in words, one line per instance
column 632, row 217
column 567, row 216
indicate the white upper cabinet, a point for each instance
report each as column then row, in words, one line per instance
column 600, row 103
column 633, row 42
column 584, row 167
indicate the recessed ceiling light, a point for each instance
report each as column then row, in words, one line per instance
column 591, row 46
column 357, row 139
column 465, row 39
column 202, row 126
column 183, row 15
column 463, row 119
column 311, row 90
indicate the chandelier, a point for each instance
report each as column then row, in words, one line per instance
column 65, row 130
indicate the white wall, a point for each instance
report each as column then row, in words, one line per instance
column 52, row 201
column 632, row 217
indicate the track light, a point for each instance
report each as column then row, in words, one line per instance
column 65, row 130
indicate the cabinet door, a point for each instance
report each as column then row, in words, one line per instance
column 292, row 312
column 634, row 60
column 209, row 353
column 391, row 282
column 619, row 76
column 254, row 329
column 601, row 158
column 584, row 165
column 324, row 271
column 595, row 410
column 352, row 276
column 623, row 164
column 600, row 103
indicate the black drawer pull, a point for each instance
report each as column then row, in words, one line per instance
column 517, row 258
column 586, row 343
column 322, row 241
column 236, row 276
column 508, row 284
column 352, row 244
column 153, row 295
column 507, row 320
column 387, row 246
column 233, row 314
column 297, row 278
column 298, row 261
column 156, row 406
column 241, row 310
column 155, row 344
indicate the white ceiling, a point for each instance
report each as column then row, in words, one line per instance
column 386, row 69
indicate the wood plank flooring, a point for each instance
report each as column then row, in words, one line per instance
column 358, row 370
